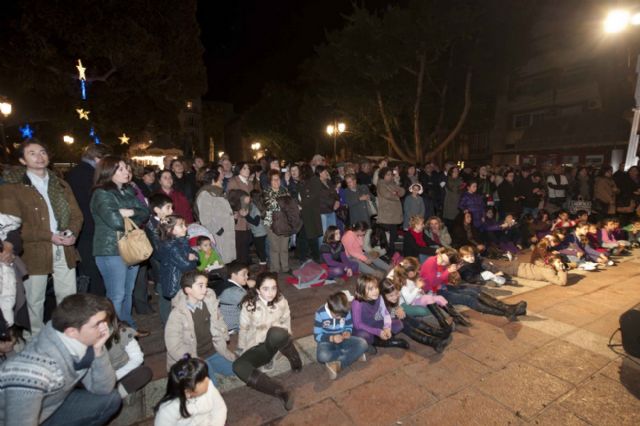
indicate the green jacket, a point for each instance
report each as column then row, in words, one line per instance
column 105, row 206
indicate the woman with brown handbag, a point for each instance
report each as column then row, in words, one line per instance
column 112, row 201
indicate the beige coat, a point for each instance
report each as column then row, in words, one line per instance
column 180, row 333
column 530, row 271
column 254, row 325
column 605, row 190
column 389, row 204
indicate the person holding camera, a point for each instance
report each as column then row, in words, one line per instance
column 51, row 220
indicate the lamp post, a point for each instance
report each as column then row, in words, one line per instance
column 336, row 129
column 616, row 22
column 68, row 139
column 5, row 110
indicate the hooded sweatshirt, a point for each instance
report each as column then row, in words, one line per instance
column 326, row 325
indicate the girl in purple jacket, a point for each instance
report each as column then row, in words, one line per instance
column 334, row 255
column 371, row 319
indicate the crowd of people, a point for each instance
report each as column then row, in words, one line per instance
column 418, row 240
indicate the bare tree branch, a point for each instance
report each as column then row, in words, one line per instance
column 461, row 119
column 389, row 134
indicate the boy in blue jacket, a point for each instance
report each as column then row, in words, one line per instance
column 337, row 348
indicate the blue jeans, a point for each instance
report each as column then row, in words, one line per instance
column 327, row 219
column 219, row 364
column 347, row 352
column 83, row 408
column 460, row 295
column 119, row 281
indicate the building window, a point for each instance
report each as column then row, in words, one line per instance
column 521, row 121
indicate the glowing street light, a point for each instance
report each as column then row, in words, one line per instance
column 5, row 109
column 616, row 21
column 220, row 154
column 255, row 146
column 335, row 130
column 68, row 139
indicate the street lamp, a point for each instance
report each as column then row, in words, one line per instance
column 615, row 22
column 68, row 139
column 255, row 147
column 336, row 129
column 220, row 154
column 5, row 110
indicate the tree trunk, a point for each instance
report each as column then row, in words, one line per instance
column 416, row 107
column 389, row 133
column 463, row 116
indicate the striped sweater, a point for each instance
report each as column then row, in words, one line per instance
column 326, row 325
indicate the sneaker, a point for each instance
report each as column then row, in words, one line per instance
column 499, row 281
column 509, row 256
column 334, row 369
column 363, row 357
column 610, row 263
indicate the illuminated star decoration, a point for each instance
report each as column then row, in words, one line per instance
column 93, row 135
column 81, row 70
column 83, row 115
column 26, row 131
column 124, row 139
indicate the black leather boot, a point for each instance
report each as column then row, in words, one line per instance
column 442, row 333
column 265, row 384
column 509, row 311
column 393, row 342
column 458, row 318
column 437, row 343
column 439, row 316
column 291, row 353
column 486, row 309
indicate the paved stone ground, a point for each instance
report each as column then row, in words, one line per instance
column 551, row 367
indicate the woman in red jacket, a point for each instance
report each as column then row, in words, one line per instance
column 180, row 203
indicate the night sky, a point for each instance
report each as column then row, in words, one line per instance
column 251, row 42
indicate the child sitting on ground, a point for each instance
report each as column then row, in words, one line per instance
column 231, row 292
column 563, row 221
column 633, row 233
column 126, row 356
column 333, row 329
column 208, row 258
column 196, row 327
column 608, row 239
column 412, row 327
column 191, row 398
column 416, row 243
column 371, row 319
column 334, row 255
column 475, row 270
column 414, row 301
column 265, row 330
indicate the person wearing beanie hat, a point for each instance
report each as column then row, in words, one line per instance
column 413, row 204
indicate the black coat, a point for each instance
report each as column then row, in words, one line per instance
column 508, row 192
column 410, row 246
column 80, row 179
